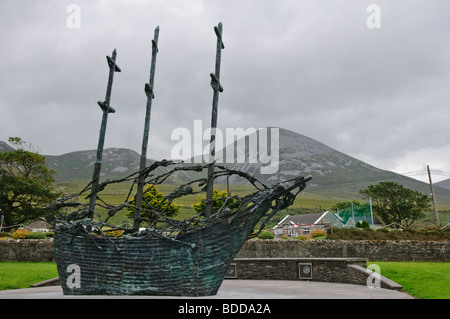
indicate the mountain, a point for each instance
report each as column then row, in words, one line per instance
column 334, row 173
column 79, row 165
column 4, row 147
column 444, row 184
column 116, row 162
column 300, row 155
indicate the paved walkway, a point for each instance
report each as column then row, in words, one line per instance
column 242, row 289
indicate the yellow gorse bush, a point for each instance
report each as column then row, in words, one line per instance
column 20, row 234
column 317, row 233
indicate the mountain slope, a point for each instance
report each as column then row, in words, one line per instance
column 334, row 173
column 116, row 162
column 444, row 184
column 301, row 155
column 4, row 147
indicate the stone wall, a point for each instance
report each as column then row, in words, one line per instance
column 388, row 250
column 320, row 269
column 27, row 250
column 339, row 270
column 42, row 250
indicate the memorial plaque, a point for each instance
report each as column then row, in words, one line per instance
column 305, row 271
column 231, row 272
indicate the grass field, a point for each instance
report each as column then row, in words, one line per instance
column 306, row 202
column 116, row 194
column 14, row 275
column 423, row 280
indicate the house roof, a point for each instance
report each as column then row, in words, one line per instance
column 368, row 219
column 39, row 224
column 303, row 219
column 311, row 219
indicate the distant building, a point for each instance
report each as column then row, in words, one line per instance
column 39, row 226
column 297, row 225
column 352, row 221
column 304, row 224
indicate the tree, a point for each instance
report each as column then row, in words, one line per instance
column 27, row 184
column 362, row 224
column 153, row 204
column 394, row 203
column 266, row 235
column 219, row 199
column 352, row 209
column 344, row 205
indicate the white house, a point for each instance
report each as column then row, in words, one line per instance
column 39, row 226
column 304, row 224
column 297, row 225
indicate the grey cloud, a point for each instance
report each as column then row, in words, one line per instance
column 309, row 66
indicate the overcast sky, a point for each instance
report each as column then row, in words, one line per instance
column 381, row 95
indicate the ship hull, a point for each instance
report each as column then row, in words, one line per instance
column 192, row 265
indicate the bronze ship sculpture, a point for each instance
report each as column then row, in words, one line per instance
column 170, row 257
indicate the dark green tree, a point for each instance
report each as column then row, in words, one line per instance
column 362, row 224
column 27, row 186
column 344, row 205
column 394, row 203
column 351, row 209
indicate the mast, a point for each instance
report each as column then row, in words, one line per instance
column 106, row 108
column 217, row 88
column 143, row 162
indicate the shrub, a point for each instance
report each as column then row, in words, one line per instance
column 20, row 234
column 317, row 233
column 393, row 234
column 362, row 224
column 333, row 229
column 266, row 235
column 36, row 235
column 302, row 237
column 348, row 234
column 5, row 235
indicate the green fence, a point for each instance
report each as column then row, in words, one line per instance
column 356, row 213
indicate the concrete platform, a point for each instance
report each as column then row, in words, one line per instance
column 240, row 289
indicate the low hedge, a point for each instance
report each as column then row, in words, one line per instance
column 26, row 234
column 437, row 234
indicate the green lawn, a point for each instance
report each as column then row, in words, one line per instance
column 423, row 280
column 14, row 275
